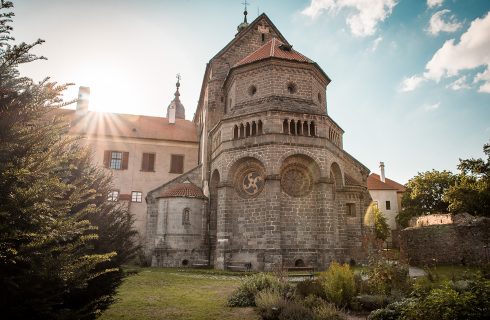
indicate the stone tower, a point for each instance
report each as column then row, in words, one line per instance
column 281, row 190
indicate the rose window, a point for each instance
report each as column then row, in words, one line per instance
column 252, row 183
column 295, row 181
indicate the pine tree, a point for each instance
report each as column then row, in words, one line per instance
column 61, row 242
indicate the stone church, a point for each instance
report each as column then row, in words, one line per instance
column 273, row 186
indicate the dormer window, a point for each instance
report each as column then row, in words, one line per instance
column 285, row 47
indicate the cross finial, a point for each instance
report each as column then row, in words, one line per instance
column 245, row 3
column 178, row 80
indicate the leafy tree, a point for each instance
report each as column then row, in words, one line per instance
column 471, row 193
column 425, row 195
column 61, row 242
column 381, row 228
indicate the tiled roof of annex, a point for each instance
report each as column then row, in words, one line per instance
column 183, row 190
column 374, row 183
column 274, row 48
column 129, row 126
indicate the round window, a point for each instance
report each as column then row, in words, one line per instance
column 252, row 183
column 296, row 181
column 252, row 90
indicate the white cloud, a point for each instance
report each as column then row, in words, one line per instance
column 367, row 13
column 434, row 3
column 410, row 84
column 376, row 43
column 472, row 51
column 485, row 77
column 437, row 23
column 432, row 107
column 459, row 84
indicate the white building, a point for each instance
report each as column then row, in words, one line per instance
column 386, row 194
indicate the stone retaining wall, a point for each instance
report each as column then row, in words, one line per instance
column 447, row 244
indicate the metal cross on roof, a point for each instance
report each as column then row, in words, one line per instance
column 245, row 3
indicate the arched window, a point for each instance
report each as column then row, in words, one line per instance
column 298, row 127
column 312, row 129
column 247, row 130
column 305, row 128
column 292, row 127
column 242, row 131
column 235, row 132
column 285, row 126
column 254, row 128
column 186, row 219
column 260, row 127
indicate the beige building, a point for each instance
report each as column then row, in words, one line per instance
column 139, row 151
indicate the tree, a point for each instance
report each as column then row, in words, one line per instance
column 425, row 195
column 471, row 193
column 381, row 228
column 61, row 242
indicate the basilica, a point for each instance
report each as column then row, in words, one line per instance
column 271, row 186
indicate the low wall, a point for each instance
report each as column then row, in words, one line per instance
column 447, row 244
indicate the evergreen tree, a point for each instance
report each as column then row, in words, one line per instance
column 61, row 242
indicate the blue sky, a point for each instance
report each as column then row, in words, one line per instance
column 411, row 84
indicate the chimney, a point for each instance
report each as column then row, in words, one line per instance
column 83, row 99
column 171, row 114
column 382, row 167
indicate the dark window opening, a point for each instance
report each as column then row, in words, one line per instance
column 312, row 129
column 148, row 162
column 263, row 37
column 186, row 219
column 185, row 262
column 292, row 127
column 252, row 90
column 260, row 127
column 299, row 263
column 351, row 209
column 285, row 126
column 305, row 128
column 247, row 130
column 388, row 205
column 176, row 163
column 298, row 127
column 242, row 130
column 235, row 132
column 291, row 88
column 254, row 129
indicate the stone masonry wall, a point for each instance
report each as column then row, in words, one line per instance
column 447, row 244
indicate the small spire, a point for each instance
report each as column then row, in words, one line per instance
column 244, row 24
column 177, row 93
column 245, row 3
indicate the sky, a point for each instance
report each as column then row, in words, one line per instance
column 410, row 78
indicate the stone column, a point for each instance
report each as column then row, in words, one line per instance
column 223, row 234
column 272, row 220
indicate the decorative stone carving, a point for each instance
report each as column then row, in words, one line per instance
column 296, row 181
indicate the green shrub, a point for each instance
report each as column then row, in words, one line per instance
column 269, row 304
column 309, row 287
column 444, row 303
column 386, row 277
column 244, row 295
column 338, row 284
column 295, row 311
column 372, row 302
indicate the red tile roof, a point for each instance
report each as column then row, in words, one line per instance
column 129, row 126
column 374, row 183
column 274, row 48
column 186, row 190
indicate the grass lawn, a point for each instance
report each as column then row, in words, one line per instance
column 172, row 294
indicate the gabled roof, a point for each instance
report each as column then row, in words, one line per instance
column 374, row 183
column 252, row 25
column 129, row 126
column 274, row 48
column 183, row 190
